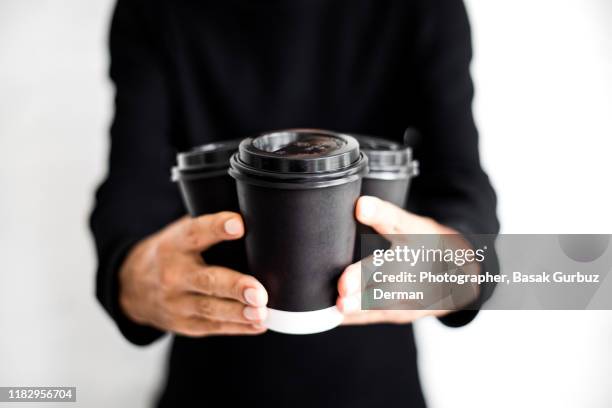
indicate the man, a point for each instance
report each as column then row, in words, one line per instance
column 191, row 72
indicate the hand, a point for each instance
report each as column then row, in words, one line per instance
column 165, row 283
column 386, row 218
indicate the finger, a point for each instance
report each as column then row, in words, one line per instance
column 352, row 304
column 213, row 308
column 197, row 327
column 226, row 283
column 368, row 317
column 199, row 234
column 360, row 318
column 350, row 280
column 349, row 304
column 383, row 316
column 387, row 218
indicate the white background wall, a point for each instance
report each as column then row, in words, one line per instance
column 543, row 72
column 544, row 102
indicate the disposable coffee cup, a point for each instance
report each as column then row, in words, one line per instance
column 207, row 188
column 297, row 191
column 391, row 171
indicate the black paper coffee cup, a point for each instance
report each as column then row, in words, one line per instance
column 207, row 188
column 297, row 191
column 391, row 170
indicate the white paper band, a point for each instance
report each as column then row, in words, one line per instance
column 315, row 321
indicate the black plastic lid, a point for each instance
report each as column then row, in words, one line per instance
column 299, row 151
column 387, row 159
column 384, row 153
column 211, row 155
column 292, row 157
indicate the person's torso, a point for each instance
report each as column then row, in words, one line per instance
column 350, row 366
column 236, row 68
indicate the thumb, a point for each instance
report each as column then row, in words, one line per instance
column 387, row 218
column 200, row 233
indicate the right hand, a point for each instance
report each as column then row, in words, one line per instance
column 165, row 283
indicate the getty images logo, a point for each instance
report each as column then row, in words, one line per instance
column 422, row 254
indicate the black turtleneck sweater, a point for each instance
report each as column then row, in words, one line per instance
column 189, row 72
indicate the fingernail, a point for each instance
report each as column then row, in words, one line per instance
column 254, row 313
column 367, row 207
column 350, row 304
column 232, row 226
column 254, row 297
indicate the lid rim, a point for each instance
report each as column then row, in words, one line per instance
column 285, row 180
column 206, row 156
column 384, row 153
column 177, row 175
column 343, row 155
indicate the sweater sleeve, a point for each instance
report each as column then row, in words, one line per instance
column 137, row 197
column 452, row 187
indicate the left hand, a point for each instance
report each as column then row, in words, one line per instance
column 384, row 218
